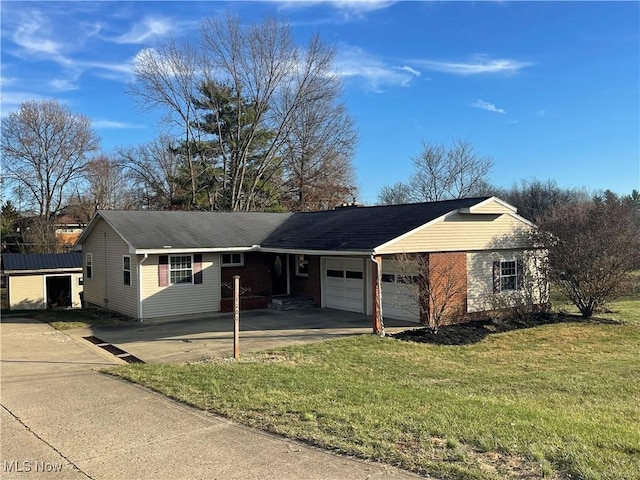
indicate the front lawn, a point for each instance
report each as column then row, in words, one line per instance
column 557, row 401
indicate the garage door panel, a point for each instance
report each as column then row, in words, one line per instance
column 398, row 298
column 344, row 284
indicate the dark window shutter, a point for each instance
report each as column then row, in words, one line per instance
column 163, row 271
column 197, row 268
column 520, row 275
column 496, row 277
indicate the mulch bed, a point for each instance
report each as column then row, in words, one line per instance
column 473, row 332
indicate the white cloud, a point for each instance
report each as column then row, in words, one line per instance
column 490, row 107
column 348, row 8
column 354, row 62
column 31, row 35
column 541, row 113
column 147, row 29
column 114, row 125
column 479, row 64
column 412, row 71
column 65, row 84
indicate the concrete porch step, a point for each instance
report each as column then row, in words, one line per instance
column 290, row 302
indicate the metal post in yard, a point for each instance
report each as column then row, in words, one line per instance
column 236, row 316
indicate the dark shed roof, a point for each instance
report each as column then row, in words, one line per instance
column 358, row 228
column 41, row 261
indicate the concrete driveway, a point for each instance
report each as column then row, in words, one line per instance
column 196, row 338
column 60, row 418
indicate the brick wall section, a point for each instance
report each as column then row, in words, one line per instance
column 255, row 275
column 449, row 271
column 309, row 286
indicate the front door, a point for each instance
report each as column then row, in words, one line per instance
column 279, row 274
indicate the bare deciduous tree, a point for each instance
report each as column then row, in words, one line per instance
column 105, row 186
column 442, row 173
column 317, row 159
column 156, row 174
column 167, row 78
column 434, row 282
column 269, row 85
column 45, row 148
column 593, row 248
column 395, row 194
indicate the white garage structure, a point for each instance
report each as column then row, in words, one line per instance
column 344, row 285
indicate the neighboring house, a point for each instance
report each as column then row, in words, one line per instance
column 36, row 281
column 68, row 229
column 148, row 264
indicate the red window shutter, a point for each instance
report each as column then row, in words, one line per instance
column 496, row 277
column 163, row 271
column 520, row 275
column 197, row 268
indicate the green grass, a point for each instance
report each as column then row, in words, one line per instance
column 70, row 319
column 555, row 401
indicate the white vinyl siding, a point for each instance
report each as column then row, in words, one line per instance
column 463, row 232
column 28, row 291
column 481, row 295
column 181, row 299
column 106, row 288
column 344, row 283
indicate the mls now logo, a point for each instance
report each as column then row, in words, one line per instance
column 26, row 466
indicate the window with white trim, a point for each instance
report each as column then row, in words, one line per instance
column 89, row 265
column 180, row 269
column 232, row 259
column 509, row 275
column 302, row 266
column 126, row 270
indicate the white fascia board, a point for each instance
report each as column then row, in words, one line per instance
column 171, row 250
column 327, row 253
column 43, row 271
column 411, row 232
column 523, row 220
column 490, row 199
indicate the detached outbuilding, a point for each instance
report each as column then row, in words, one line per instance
column 148, row 264
column 36, row 281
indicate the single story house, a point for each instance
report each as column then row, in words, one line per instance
column 148, row 264
column 36, row 281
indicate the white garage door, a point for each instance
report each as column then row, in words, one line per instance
column 344, row 284
column 399, row 295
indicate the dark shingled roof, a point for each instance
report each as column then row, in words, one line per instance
column 41, row 261
column 178, row 229
column 342, row 229
column 358, row 228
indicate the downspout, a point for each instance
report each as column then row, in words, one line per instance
column 140, row 262
column 377, row 309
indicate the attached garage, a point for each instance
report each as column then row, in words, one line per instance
column 344, row 285
column 399, row 298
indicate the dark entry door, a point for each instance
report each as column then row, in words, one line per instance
column 59, row 291
column 279, row 274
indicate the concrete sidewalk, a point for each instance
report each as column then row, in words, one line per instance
column 61, row 418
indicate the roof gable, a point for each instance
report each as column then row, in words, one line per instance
column 358, row 228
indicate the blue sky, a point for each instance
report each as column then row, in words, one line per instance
column 549, row 90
